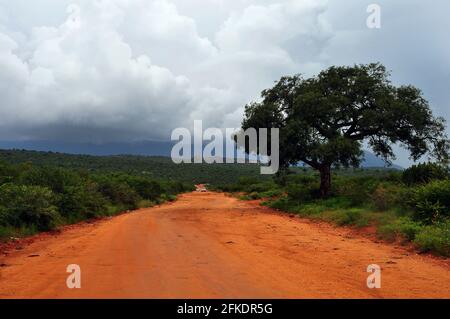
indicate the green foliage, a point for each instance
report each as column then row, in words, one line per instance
column 273, row 193
column 117, row 192
column 402, row 227
column 82, row 202
column 424, row 173
column 154, row 168
column 387, row 195
column 324, row 120
column 356, row 189
column 299, row 192
column 7, row 232
column 145, row 203
column 28, row 205
column 435, row 238
column 37, row 198
column 146, row 188
column 431, row 202
column 56, row 179
column 282, row 203
column 352, row 216
column 361, row 198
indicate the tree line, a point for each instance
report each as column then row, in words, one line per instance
column 39, row 198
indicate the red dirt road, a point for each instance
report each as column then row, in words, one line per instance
column 209, row 245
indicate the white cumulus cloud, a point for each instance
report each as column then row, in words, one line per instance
column 135, row 69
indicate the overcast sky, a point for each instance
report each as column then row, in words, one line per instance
column 126, row 70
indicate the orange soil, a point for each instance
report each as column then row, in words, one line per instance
column 209, row 245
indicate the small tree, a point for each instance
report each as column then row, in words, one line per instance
column 324, row 120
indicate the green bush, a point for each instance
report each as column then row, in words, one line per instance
column 386, row 196
column 299, row 192
column 353, row 216
column 28, row 205
column 435, row 238
column 282, row 203
column 355, row 189
column 273, row 193
column 145, row 187
column 39, row 198
column 145, row 203
column 6, row 232
column 247, row 180
column 424, row 173
column 119, row 193
column 7, row 173
column 82, row 202
column 4, row 216
column 431, row 202
column 165, row 198
column 402, row 227
column 56, row 179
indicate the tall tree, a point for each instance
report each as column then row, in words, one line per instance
column 325, row 120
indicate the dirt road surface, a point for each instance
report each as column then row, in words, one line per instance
column 209, row 245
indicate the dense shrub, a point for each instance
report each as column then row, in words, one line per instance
column 175, row 187
column 302, row 187
column 145, row 187
column 352, row 216
column 424, row 173
column 435, row 238
column 5, row 218
column 37, row 198
column 272, row 193
column 356, row 189
column 387, row 195
column 414, row 213
column 28, row 205
column 431, row 202
column 56, row 179
column 7, row 173
column 403, row 227
column 119, row 193
column 282, row 203
column 82, row 202
column 247, row 180
column 299, row 192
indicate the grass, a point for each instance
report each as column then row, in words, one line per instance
column 333, row 210
column 145, row 203
column 8, row 232
column 391, row 225
column 434, row 238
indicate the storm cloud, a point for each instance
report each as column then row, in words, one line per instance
column 129, row 70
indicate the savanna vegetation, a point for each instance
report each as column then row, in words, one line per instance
column 37, row 198
column 160, row 168
column 402, row 205
column 325, row 122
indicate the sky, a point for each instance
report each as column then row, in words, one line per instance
column 129, row 70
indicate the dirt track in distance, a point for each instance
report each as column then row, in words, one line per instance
column 209, row 245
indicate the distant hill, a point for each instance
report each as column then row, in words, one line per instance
column 372, row 161
column 158, row 167
column 143, row 148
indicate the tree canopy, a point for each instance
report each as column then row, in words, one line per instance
column 326, row 120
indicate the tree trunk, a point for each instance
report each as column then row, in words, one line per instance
column 325, row 180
